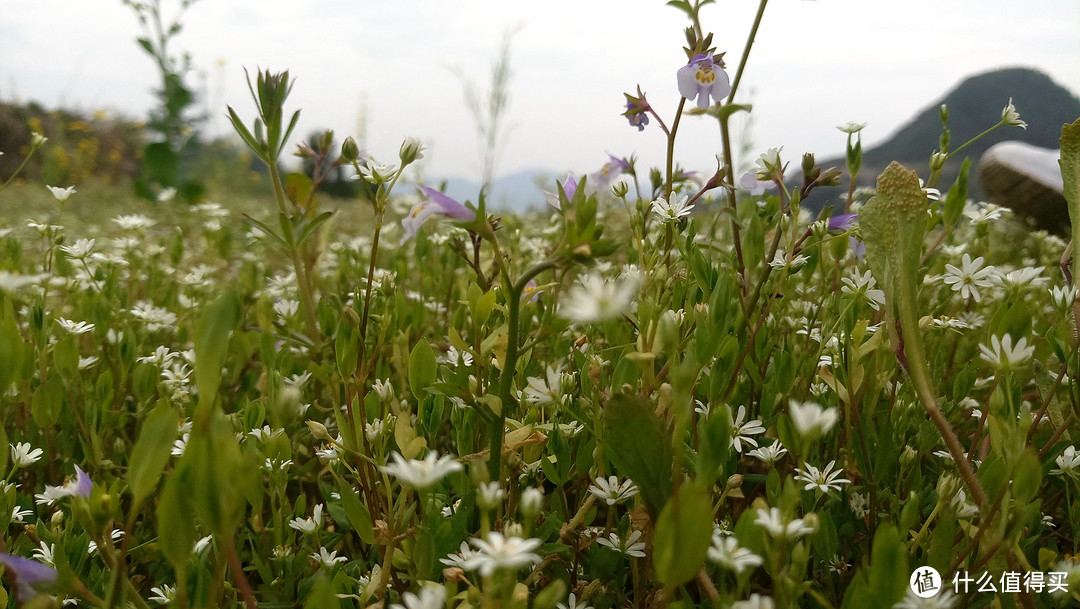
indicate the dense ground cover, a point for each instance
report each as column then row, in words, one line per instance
column 660, row 390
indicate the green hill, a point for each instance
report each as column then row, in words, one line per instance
column 974, row 105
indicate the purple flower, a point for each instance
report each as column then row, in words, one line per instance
column 83, row 485
column 27, row 574
column 843, row 221
column 569, row 188
column 436, row 203
column 750, row 181
column 858, row 248
column 636, row 116
column 606, row 175
column 703, row 78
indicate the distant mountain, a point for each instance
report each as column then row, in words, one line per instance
column 974, row 105
column 518, row 192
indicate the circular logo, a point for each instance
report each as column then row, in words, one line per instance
column 925, row 582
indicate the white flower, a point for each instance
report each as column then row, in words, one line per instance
column 489, row 495
column 309, row 525
column 598, row 299
column 1062, row 297
column 780, row 260
column 421, row 474
column 453, row 356
column 133, row 221
column 24, row 455
column 61, row 194
column 726, row 552
column 161, row 356
column 11, row 282
column 328, row 559
column 547, row 390
column 265, row 434
column 163, row 594
column 498, row 552
column 19, row 515
column 984, row 212
column 1027, row 276
column 44, row 553
column 75, row 327
column 810, row 419
column 672, row 209
column 572, row 603
column 202, row 544
column 775, row 525
column 630, row 547
column 431, row 597
column 756, row 601
column 531, row 502
column 1002, row 354
column 377, row 174
column 166, row 195
column 821, row 480
column 864, row 284
column 851, row 127
column 115, row 535
column 768, row 161
column 412, row 149
column 286, row 308
column 611, row 491
column 80, row 249
column 1011, row 117
column 770, row 453
column 1068, row 463
column 383, row 389
column 742, row 432
column 970, row 278
column 858, row 503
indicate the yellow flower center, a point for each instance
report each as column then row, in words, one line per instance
column 705, row 75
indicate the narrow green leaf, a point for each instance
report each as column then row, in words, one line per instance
column 151, row 452
column 888, row 568
column 176, row 520
column 212, row 333
column 358, row 515
column 683, row 535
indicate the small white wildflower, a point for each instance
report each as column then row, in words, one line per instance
column 611, row 491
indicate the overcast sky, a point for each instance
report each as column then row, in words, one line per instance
column 815, row 65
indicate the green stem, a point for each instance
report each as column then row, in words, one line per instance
column 920, row 376
column 506, row 379
column 671, row 147
column 306, row 298
column 746, row 52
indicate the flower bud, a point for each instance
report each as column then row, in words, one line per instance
column 937, row 161
column 926, row 323
column 908, row 456
column 37, row 140
column 489, row 495
column 943, row 112
column 352, row 317
column 318, row 430
column 412, row 149
column 326, row 140
column 808, row 163
column 619, row 189
column 349, row 150
column 734, row 482
column 532, row 501
column 513, row 529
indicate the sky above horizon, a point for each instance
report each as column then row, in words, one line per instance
column 815, row 65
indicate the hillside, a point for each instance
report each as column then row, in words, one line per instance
column 973, row 105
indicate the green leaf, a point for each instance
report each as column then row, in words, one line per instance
column 639, row 445
column 176, row 520
column 146, row 44
column 714, row 445
column 892, row 226
column 266, row 230
column 212, row 332
column 422, row 369
column 358, row 515
column 1070, row 178
column 307, row 229
column 322, row 595
column 218, row 473
column 48, row 402
column 151, row 452
column 888, row 568
column 957, row 197
column 683, row 535
column 1026, row 477
column 298, row 188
